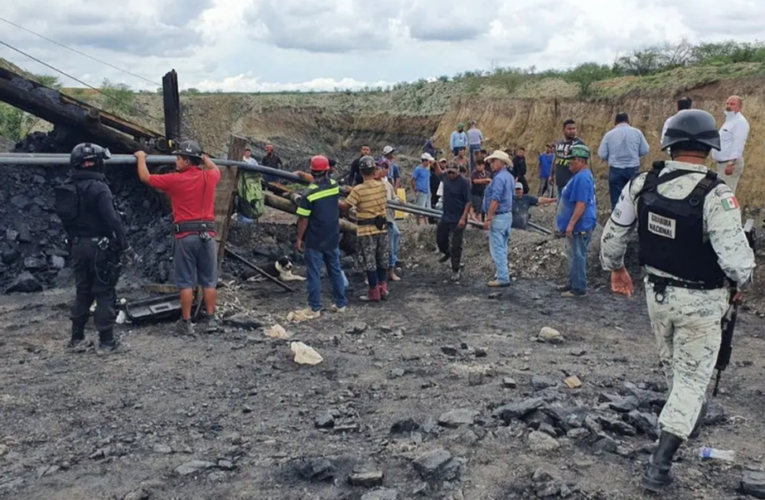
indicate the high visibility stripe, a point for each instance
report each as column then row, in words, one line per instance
column 335, row 191
column 303, row 212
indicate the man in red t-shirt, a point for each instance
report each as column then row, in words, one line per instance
column 192, row 195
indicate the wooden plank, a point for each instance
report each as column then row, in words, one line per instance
column 172, row 104
column 224, row 195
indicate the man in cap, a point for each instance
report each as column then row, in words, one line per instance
column 318, row 235
column 370, row 201
column 191, row 190
column 522, row 204
column 499, row 215
column 577, row 217
column 691, row 244
column 421, row 184
column 458, row 140
column 394, row 173
column 456, row 209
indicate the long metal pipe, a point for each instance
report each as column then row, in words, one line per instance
column 63, row 159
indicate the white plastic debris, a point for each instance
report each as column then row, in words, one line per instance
column 305, row 355
column 120, row 318
column 278, row 332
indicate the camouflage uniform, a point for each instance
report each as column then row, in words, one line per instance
column 685, row 322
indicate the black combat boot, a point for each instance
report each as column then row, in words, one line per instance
column 107, row 341
column 657, row 474
column 78, row 334
column 699, row 421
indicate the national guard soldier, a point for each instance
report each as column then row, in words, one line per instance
column 690, row 241
column 85, row 206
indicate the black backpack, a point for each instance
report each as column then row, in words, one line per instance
column 67, row 204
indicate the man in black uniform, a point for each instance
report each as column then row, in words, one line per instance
column 85, row 206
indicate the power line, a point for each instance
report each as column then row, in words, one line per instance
column 136, row 110
column 78, row 52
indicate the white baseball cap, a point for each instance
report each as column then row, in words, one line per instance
column 388, row 150
column 427, row 157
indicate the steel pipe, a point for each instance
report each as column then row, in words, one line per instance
column 63, row 159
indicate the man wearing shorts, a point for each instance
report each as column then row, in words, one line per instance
column 191, row 190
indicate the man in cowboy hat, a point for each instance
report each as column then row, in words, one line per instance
column 499, row 215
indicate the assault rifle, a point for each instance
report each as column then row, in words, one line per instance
column 728, row 322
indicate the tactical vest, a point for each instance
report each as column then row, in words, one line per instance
column 671, row 232
column 74, row 206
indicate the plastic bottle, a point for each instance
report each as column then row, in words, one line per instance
column 727, row 455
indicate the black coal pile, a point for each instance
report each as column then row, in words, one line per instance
column 33, row 253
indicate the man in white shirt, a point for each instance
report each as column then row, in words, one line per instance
column 733, row 135
column 248, row 157
column 682, row 104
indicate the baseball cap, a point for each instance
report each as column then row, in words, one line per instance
column 388, row 150
column 427, row 157
column 579, row 151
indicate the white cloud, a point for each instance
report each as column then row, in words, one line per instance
column 323, row 44
column 245, row 83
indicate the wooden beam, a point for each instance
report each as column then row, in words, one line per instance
column 224, row 195
column 172, row 105
column 286, row 205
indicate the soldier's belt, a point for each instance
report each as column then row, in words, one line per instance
column 663, row 283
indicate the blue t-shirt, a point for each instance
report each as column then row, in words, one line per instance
column 394, row 173
column 545, row 165
column 581, row 188
column 421, row 176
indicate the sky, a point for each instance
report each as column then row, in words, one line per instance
column 274, row 45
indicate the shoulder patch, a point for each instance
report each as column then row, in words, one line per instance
column 722, row 190
column 730, row 203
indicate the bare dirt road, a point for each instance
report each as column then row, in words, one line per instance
column 442, row 391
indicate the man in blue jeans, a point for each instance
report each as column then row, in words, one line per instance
column 622, row 147
column 577, row 217
column 499, row 214
column 318, row 234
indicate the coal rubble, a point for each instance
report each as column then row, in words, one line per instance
column 33, row 252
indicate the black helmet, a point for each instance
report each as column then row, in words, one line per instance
column 189, row 149
column 367, row 164
column 88, row 152
column 692, row 129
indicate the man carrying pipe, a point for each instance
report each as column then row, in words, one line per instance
column 192, row 195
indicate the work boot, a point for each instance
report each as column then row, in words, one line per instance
column 392, row 276
column 384, row 291
column 444, row 258
column 455, row 276
column 658, row 473
column 209, row 324
column 78, row 334
column 563, row 288
column 699, row 421
column 106, row 340
column 498, row 284
column 184, row 328
column 373, row 295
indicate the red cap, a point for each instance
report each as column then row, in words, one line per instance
column 319, row 164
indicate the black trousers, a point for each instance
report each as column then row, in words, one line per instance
column 96, row 273
column 445, row 232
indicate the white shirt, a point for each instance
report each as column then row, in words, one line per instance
column 250, row 160
column 733, row 135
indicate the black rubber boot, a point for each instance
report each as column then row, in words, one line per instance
column 699, row 421
column 107, row 341
column 78, row 334
column 658, row 474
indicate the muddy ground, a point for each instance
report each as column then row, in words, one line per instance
column 132, row 425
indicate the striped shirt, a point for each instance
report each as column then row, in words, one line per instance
column 370, row 201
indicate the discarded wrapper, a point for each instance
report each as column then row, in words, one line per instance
column 573, row 382
column 305, row 355
column 277, row 332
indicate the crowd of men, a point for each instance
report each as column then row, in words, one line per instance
column 691, row 242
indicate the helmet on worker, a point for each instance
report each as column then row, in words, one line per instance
column 88, row 155
column 319, row 164
column 188, row 153
column 691, row 130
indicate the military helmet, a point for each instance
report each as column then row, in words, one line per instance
column 88, row 151
column 692, row 129
column 367, row 164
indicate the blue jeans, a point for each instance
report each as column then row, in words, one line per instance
column 473, row 149
column 331, row 259
column 395, row 237
column 499, row 236
column 617, row 179
column 576, row 251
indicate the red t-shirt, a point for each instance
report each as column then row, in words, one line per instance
column 191, row 193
